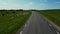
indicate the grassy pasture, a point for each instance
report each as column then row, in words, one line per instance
column 53, row 15
column 11, row 21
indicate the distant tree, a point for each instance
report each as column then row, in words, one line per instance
column 33, row 10
column 21, row 10
column 13, row 12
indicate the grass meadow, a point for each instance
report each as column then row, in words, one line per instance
column 53, row 15
column 11, row 21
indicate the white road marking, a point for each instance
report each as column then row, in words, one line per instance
column 50, row 25
column 25, row 25
column 21, row 32
column 58, row 33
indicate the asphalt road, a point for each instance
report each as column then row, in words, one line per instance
column 36, row 25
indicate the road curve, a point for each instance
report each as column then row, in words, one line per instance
column 36, row 25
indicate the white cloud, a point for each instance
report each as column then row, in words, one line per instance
column 43, row 0
column 29, row 4
column 42, row 4
column 58, row 2
column 5, row 5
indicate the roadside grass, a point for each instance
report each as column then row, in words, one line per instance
column 10, row 22
column 53, row 15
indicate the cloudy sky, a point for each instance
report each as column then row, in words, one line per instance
column 29, row 4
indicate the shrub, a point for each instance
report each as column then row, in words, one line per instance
column 3, row 14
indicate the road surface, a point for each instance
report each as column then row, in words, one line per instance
column 36, row 25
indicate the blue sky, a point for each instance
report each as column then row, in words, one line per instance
column 29, row 4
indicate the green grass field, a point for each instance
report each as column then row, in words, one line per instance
column 53, row 15
column 11, row 21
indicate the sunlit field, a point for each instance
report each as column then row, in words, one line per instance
column 53, row 15
column 11, row 21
